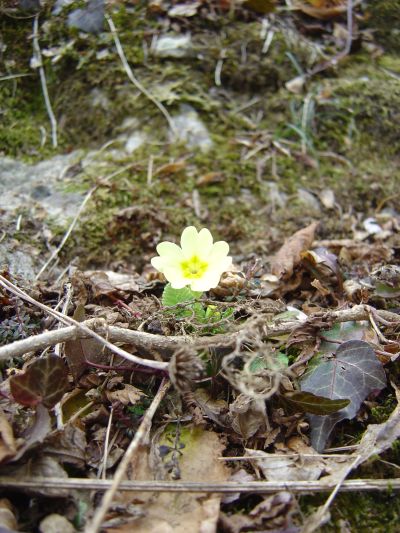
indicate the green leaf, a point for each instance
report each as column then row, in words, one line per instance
column 311, row 403
column 261, row 363
column 173, row 297
column 352, row 372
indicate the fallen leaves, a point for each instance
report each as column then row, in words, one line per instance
column 289, row 255
column 45, row 381
column 7, row 441
column 195, row 453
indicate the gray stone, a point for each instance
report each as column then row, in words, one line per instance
column 39, row 186
column 19, row 262
column 90, row 19
column 191, row 130
column 172, row 46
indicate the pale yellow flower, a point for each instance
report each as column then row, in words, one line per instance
column 198, row 262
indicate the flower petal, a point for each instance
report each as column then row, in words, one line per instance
column 169, row 249
column 174, row 276
column 189, row 241
column 158, row 263
column 219, row 250
column 207, row 282
column 205, row 243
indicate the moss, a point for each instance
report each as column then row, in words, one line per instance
column 360, row 511
column 383, row 17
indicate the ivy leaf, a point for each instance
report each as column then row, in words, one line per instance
column 173, row 297
column 311, row 403
column 45, row 382
column 353, row 372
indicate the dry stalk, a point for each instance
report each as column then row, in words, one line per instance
column 38, row 57
column 132, row 77
column 140, row 436
column 228, row 487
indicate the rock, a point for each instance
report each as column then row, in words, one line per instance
column 56, row 523
column 60, row 4
column 134, row 141
column 39, row 186
column 20, row 262
column 310, row 201
column 190, row 129
column 90, row 19
column 172, row 46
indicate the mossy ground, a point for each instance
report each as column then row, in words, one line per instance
column 347, row 141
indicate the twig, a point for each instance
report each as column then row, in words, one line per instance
column 38, row 56
column 132, row 77
column 67, row 233
column 14, row 76
column 321, row 515
column 103, row 467
column 254, row 487
column 159, row 365
column 138, row 439
column 333, row 61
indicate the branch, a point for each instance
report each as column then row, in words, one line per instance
column 165, row 346
column 38, row 54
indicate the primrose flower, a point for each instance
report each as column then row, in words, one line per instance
column 198, row 262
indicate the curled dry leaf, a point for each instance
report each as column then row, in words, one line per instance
column 272, row 514
column 322, row 9
column 36, row 433
column 7, row 440
column 8, row 521
column 128, row 395
column 289, row 255
column 248, row 416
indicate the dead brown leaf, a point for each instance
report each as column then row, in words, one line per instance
column 248, row 416
column 8, row 446
column 179, row 513
column 272, row 514
column 127, row 395
column 81, row 351
column 322, row 9
column 170, row 168
column 8, row 521
column 210, row 177
column 289, row 255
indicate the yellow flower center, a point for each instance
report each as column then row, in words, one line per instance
column 193, row 268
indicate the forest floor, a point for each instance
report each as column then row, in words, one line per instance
column 275, row 125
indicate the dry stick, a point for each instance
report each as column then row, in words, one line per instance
column 67, row 233
column 76, row 218
column 38, row 54
column 138, row 439
column 321, row 515
column 228, row 487
column 158, row 365
column 159, row 343
column 346, row 50
column 132, row 77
